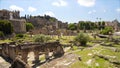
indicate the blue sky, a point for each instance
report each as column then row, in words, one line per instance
column 67, row 10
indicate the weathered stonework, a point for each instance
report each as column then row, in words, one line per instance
column 114, row 24
column 45, row 24
column 19, row 63
column 11, row 50
column 19, row 25
column 5, row 14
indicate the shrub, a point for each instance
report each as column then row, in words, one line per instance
column 82, row 38
column 19, row 35
column 29, row 26
column 107, row 30
column 41, row 38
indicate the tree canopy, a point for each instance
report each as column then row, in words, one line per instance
column 72, row 26
column 29, row 26
column 6, row 27
column 86, row 25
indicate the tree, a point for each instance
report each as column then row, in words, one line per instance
column 29, row 26
column 6, row 27
column 81, row 25
column 86, row 25
column 103, row 25
column 72, row 26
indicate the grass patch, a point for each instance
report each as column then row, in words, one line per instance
column 96, row 62
column 5, row 41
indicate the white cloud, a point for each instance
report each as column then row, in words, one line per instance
column 118, row 10
column 50, row 13
column 60, row 3
column 14, row 7
column 86, row 3
column 31, row 9
column 93, row 11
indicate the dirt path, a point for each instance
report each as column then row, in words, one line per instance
column 62, row 62
column 3, row 63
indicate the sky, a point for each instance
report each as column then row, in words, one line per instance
column 67, row 10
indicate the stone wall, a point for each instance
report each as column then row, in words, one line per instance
column 19, row 25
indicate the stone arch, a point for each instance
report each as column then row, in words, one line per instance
column 36, row 54
column 25, row 53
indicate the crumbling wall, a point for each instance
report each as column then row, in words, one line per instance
column 12, row 51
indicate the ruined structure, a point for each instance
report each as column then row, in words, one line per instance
column 19, row 25
column 45, row 24
column 5, row 14
column 14, row 18
column 115, row 24
column 19, row 63
column 42, row 21
column 12, row 50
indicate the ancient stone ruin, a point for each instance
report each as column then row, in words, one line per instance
column 19, row 25
column 14, row 17
column 18, row 52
